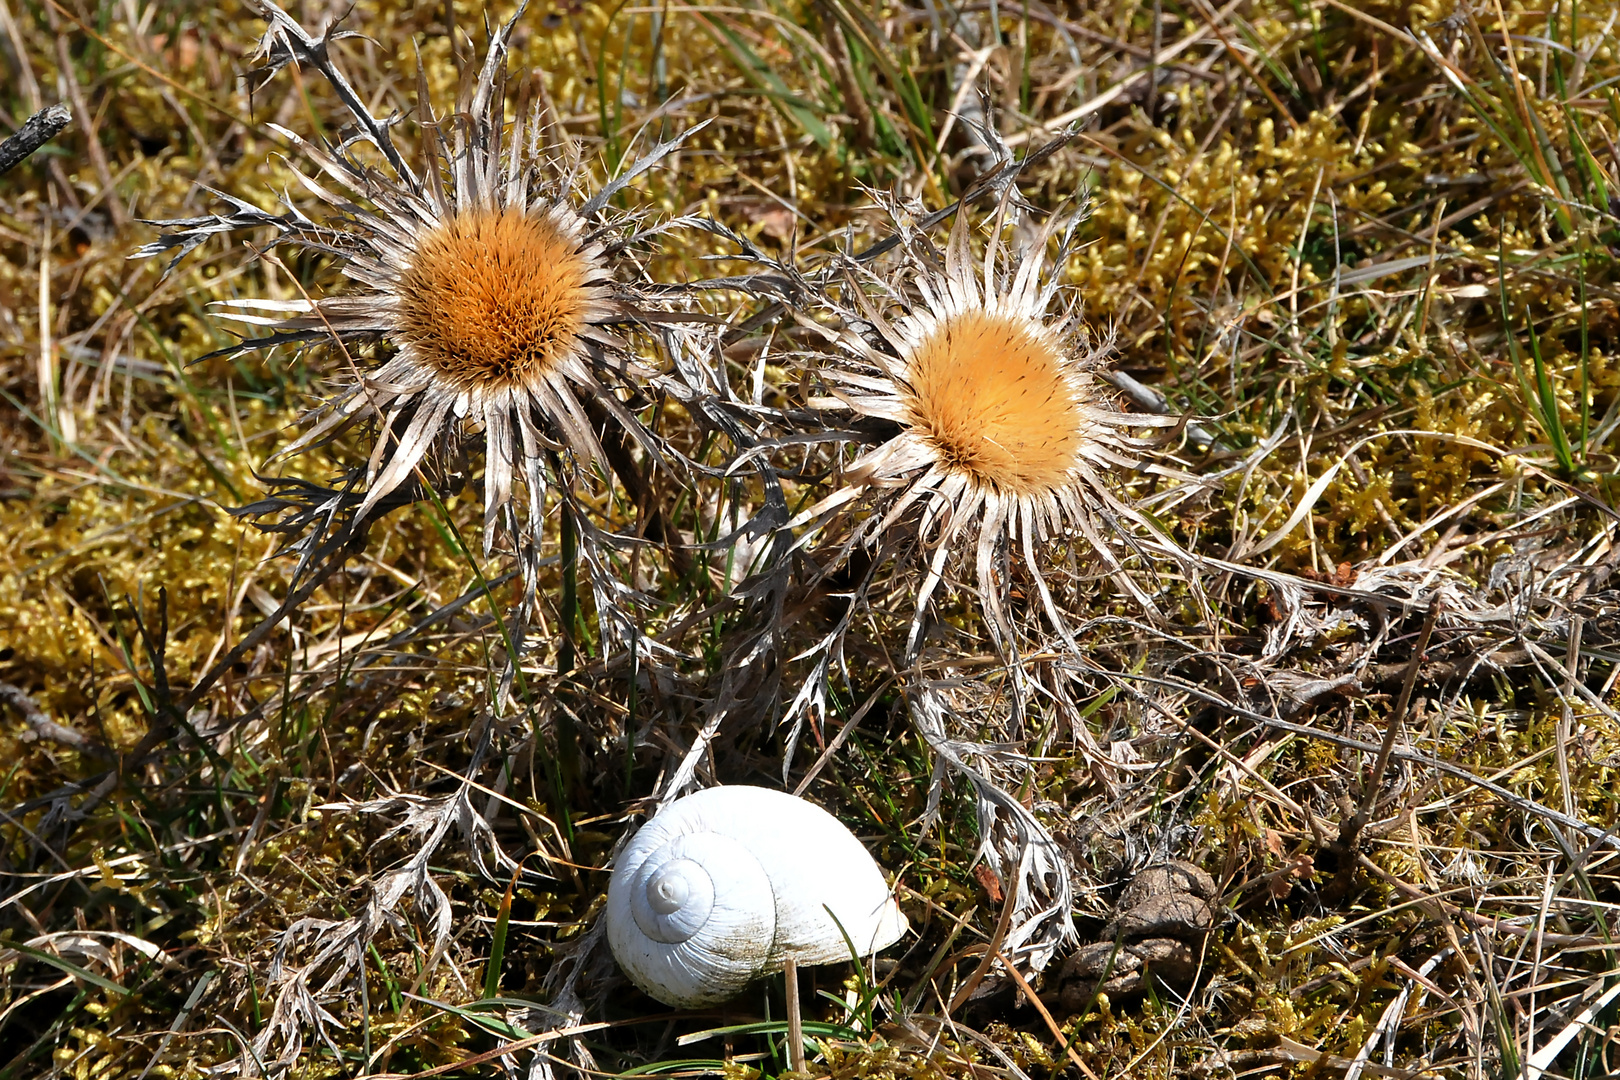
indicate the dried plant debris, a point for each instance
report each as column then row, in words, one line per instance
column 636, row 399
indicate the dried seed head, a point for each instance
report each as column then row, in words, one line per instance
column 494, row 299
column 986, row 369
column 988, row 393
column 490, row 273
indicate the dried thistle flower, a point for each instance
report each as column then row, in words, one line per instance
column 498, row 288
column 1002, row 432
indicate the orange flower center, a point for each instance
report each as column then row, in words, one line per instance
column 494, row 298
column 990, row 397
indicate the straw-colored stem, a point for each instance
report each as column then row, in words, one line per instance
column 790, row 974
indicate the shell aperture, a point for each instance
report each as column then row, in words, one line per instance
column 721, row 886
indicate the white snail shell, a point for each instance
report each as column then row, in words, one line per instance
column 720, row 887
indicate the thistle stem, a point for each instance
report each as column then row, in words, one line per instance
column 567, row 733
column 569, row 557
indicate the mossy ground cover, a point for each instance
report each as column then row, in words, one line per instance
column 1370, row 250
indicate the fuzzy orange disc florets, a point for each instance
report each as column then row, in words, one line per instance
column 988, row 393
column 493, row 298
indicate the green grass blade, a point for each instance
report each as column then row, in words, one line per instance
column 497, row 948
column 476, row 1014
column 769, row 1027
column 898, row 73
column 1540, row 400
column 760, row 74
column 70, row 968
column 1547, row 399
column 610, row 127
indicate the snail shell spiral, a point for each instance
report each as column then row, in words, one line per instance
column 721, row 886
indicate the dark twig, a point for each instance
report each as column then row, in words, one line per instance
column 1397, row 719
column 43, row 727
column 1350, row 831
column 36, row 131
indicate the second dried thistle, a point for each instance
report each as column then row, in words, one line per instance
column 995, row 434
